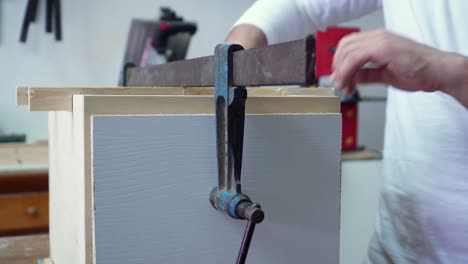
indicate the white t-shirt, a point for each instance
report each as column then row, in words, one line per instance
column 423, row 214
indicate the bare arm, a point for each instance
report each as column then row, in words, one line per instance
column 274, row 21
column 248, row 36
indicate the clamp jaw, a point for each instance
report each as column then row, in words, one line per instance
column 230, row 116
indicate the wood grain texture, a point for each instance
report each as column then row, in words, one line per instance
column 23, row 168
column 24, row 213
column 60, row 99
column 21, row 95
column 23, row 154
column 67, row 187
column 8, row 157
column 153, row 175
column 172, row 105
column 34, row 155
column 23, row 181
column 45, row 261
column 24, row 249
column 56, row 99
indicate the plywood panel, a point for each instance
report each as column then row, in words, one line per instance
column 67, row 188
column 150, row 104
column 153, row 175
column 61, row 99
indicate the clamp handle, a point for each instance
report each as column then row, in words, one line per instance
column 230, row 118
column 256, row 217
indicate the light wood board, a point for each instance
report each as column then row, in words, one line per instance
column 60, row 99
column 67, row 221
column 24, row 249
column 20, row 154
column 153, row 176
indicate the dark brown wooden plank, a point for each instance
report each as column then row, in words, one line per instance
column 20, row 182
column 281, row 64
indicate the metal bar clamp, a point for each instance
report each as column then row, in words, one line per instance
column 230, row 116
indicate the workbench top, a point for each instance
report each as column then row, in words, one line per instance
column 23, row 157
column 24, row 249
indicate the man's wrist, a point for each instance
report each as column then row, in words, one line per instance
column 455, row 69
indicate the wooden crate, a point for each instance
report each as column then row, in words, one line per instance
column 131, row 171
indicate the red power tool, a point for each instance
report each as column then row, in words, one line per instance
column 326, row 43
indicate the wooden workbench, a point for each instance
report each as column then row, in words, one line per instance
column 23, row 189
column 24, row 249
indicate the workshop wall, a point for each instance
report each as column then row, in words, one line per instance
column 91, row 53
column 94, row 35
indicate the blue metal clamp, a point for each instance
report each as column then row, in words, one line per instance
column 230, row 116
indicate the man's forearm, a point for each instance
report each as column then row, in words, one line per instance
column 248, row 36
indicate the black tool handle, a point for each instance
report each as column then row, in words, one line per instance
column 29, row 16
column 58, row 20
column 255, row 215
column 168, row 29
column 244, row 249
column 49, row 8
column 33, row 14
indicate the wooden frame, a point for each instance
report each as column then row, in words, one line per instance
column 70, row 142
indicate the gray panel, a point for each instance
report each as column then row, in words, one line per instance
column 153, row 175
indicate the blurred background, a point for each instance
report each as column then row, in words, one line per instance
column 91, row 53
column 92, row 49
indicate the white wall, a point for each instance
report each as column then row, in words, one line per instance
column 360, row 189
column 94, row 40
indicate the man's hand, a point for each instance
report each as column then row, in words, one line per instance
column 400, row 62
column 248, row 36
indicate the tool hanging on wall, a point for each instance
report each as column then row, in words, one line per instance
column 53, row 18
column 155, row 42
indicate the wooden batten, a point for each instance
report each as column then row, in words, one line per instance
column 60, row 99
column 21, row 95
column 173, row 105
